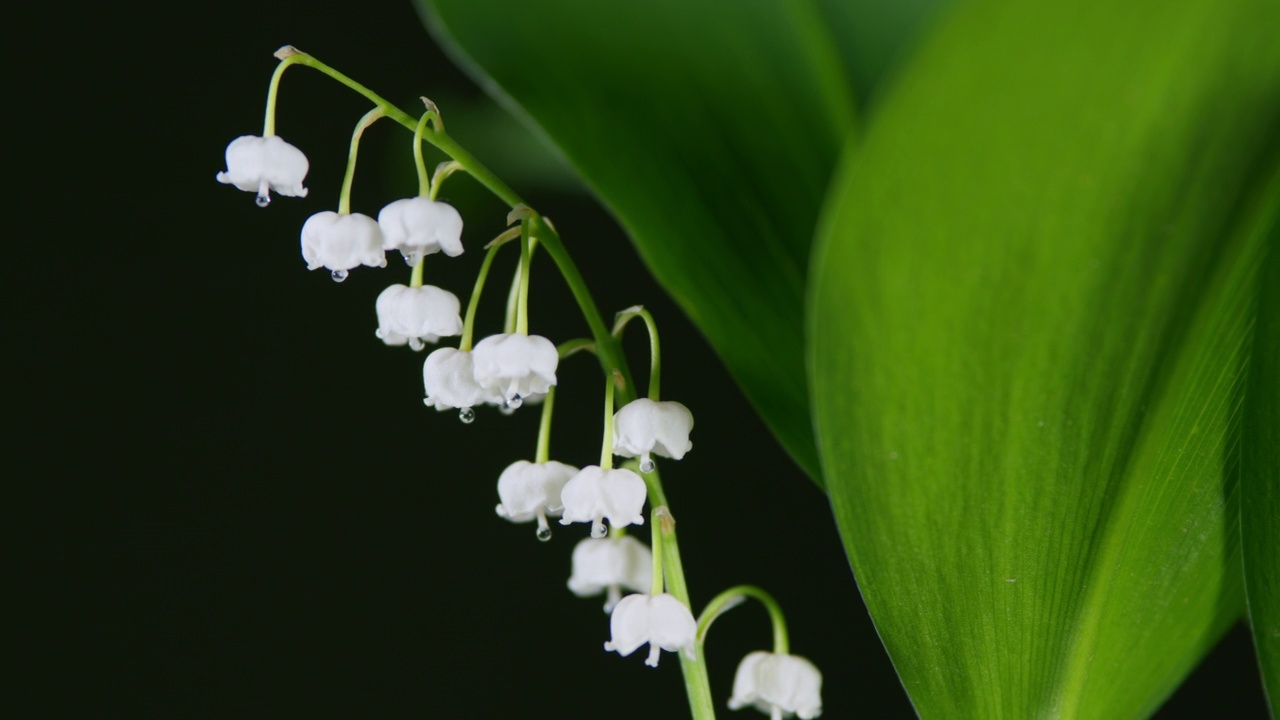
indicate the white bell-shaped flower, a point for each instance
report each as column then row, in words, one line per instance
column 341, row 242
column 416, row 315
column 660, row 620
column 646, row 426
column 532, row 491
column 515, row 366
column 778, row 685
column 449, row 378
column 596, row 494
column 608, row 565
column 419, row 226
column 262, row 164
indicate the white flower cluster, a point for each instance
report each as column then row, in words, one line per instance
column 508, row 370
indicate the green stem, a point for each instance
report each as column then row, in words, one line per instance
column 655, row 540
column 655, row 347
column 735, row 596
column 526, row 257
column 424, row 180
column 344, row 200
column 513, row 295
column 606, row 446
column 415, row 280
column 697, row 684
column 469, row 322
column 544, row 427
column 442, row 173
column 273, row 89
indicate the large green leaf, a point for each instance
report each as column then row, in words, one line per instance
column 1030, row 326
column 1260, row 479
column 710, row 129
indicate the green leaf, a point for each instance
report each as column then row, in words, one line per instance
column 710, row 130
column 874, row 36
column 1260, row 479
column 1030, row 328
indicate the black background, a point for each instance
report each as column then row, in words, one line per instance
column 231, row 501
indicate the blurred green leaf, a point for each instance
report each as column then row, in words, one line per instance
column 710, row 130
column 874, row 36
column 1260, row 479
column 1030, row 328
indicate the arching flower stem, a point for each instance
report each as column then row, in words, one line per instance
column 424, row 180
column 544, row 427
column 469, row 321
column 288, row 55
column 442, row 173
column 526, row 257
column 606, row 446
column 734, row 597
column 513, row 295
column 344, row 199
column 655, row 348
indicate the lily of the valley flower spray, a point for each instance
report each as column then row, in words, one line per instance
column 516, row 368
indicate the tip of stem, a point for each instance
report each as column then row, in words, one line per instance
column 666, row 521
column 518, row 213
column 286, row 51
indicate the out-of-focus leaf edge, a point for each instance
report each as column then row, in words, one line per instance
column 1260, row 467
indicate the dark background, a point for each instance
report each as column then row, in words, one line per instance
column 231, row 499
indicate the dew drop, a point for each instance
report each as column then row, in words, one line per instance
column 515, row 402
column 416, row 344
column 598, row 530
column 410, row 260
column 506, row 409
column 544, row 534
column 339, row 275
column 262, row 200
column 647, row 464
column 467, row 416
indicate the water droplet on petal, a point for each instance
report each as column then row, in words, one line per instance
column 467, row 416
column 515, row 402
column 263, row 199
column 339, row 275
column 647, row 464
column 410, row 260
column 544, row 534
column 598, row 529
column 506, row 409
column 416, row 344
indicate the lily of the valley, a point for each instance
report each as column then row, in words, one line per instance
column 448, row 376
column 608, row 565
column 662, row 621
column 596, row 494
column 262, row 164
column 645, row 426
column 778, row 685
column 341, row 242
column 416, row 315
column 419, row 226
column 531, row 491
column 515, row 366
